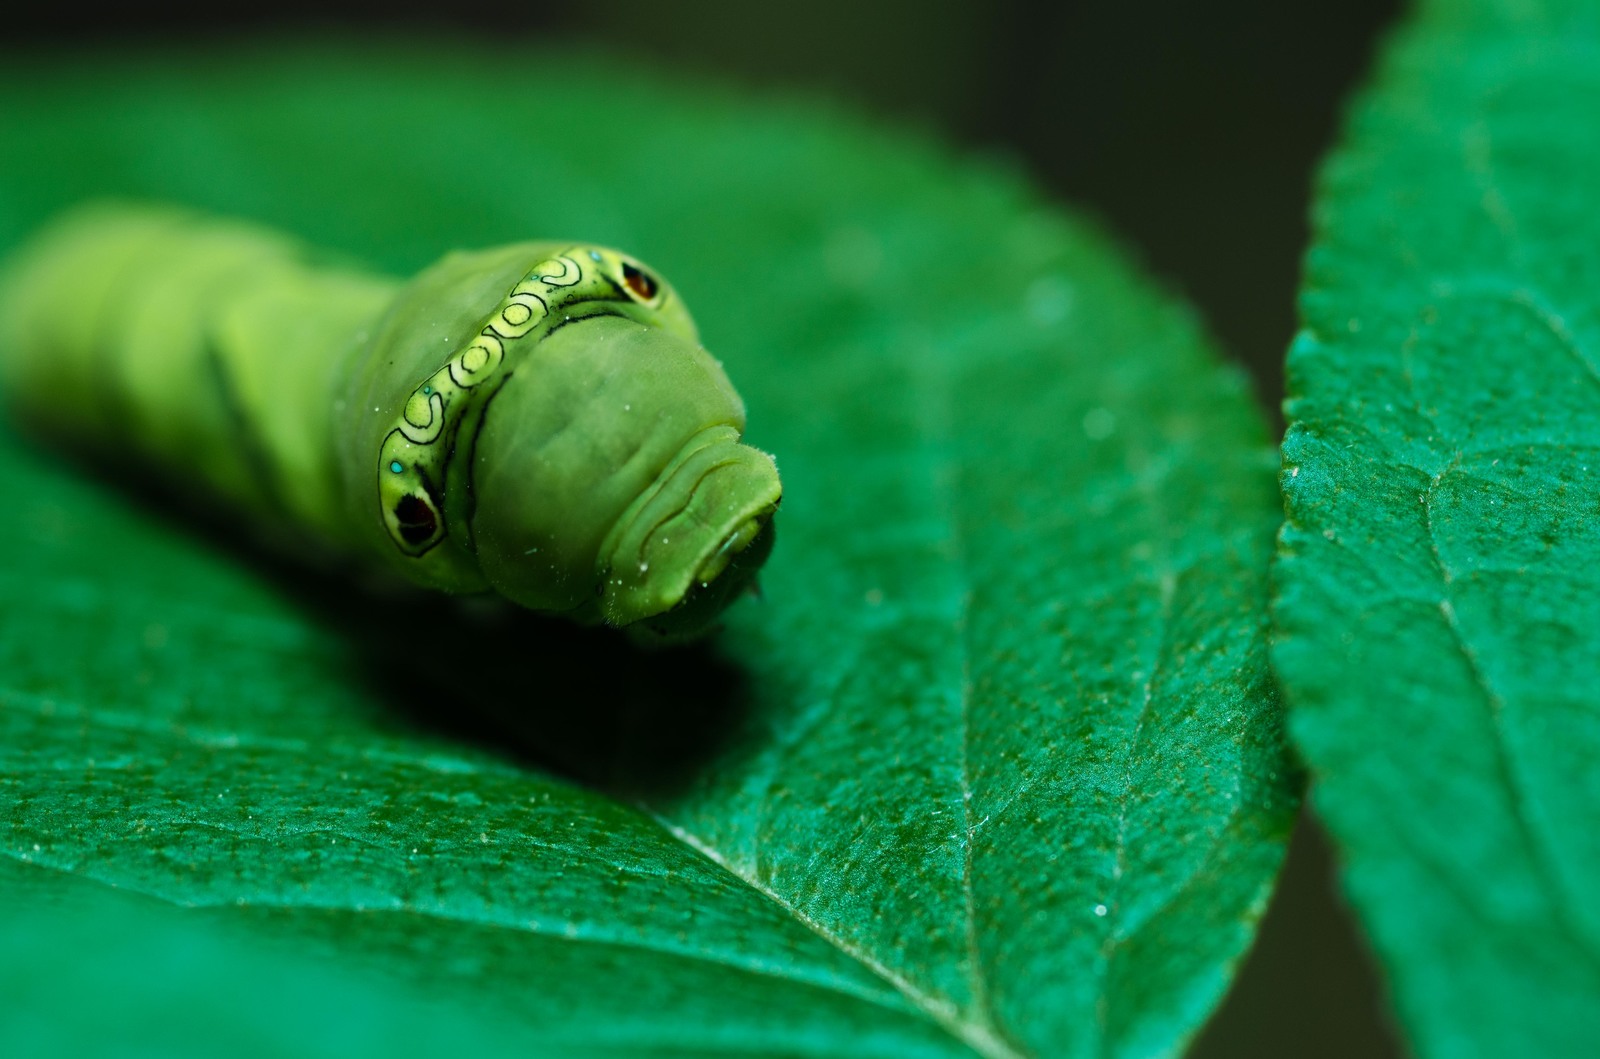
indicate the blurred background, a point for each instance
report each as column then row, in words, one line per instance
column 1192, row 130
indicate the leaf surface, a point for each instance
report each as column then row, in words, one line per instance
column 995, row 767
column 1439, row 574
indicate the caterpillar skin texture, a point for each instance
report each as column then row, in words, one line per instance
column 539, row 420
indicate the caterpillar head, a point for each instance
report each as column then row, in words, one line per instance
column 611, row 476
column 578, row 452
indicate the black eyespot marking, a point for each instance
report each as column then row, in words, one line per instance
column 640, row 283
column 417, row 521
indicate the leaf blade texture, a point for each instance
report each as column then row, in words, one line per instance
column 1436, row 595
column 995, row 767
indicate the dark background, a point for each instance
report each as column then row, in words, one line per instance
column 1192, row 129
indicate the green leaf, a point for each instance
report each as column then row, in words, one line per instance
column 1439, row 575
column 153, row 981
column 995, row 767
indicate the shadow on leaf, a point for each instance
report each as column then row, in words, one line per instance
column 588, row 703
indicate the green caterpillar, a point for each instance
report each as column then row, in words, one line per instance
column 539, row 420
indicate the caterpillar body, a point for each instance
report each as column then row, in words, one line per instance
column 538, row 420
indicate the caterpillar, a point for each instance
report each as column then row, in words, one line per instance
column 536, row 420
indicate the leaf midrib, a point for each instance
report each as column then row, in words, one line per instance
column 980, row 1038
